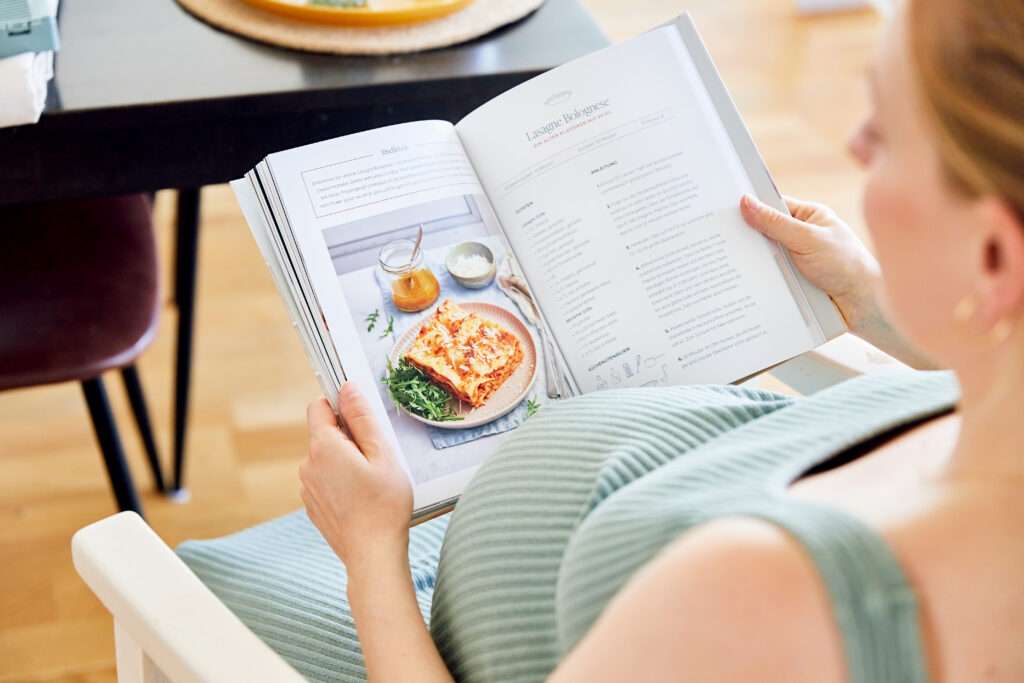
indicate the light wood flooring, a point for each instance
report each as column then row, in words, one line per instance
column 799, row 84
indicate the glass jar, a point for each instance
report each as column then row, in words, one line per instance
column 413, row 287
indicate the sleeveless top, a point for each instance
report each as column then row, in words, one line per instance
column 591, row 489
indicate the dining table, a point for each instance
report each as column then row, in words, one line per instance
column 147, row 97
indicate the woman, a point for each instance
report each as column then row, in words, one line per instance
column 868, row 533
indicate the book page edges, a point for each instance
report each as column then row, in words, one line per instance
column 245, row 194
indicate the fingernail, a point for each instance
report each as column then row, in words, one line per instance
column 748, row 201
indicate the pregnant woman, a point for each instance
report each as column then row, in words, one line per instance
column 871, row 533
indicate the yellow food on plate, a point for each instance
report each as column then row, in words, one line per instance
column 468, row 355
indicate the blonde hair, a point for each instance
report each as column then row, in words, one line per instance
column 969, row 61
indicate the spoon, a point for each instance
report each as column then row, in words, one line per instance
column 416, row 248
column 409, row 280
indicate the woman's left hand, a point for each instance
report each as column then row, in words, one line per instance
column 354, row 489
column 360, row 499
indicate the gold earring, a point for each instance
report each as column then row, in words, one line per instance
column 1001, row 331
column 965, row 310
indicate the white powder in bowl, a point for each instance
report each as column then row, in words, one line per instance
column 473, row 265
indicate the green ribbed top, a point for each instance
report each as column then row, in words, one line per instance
column 579, row 498
column 591, row 489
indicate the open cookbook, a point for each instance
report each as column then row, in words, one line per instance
column 579, row 232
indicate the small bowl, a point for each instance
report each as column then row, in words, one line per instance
column 471, row 249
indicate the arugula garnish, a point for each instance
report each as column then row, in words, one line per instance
column 412, row 389
column 371, row 320
column 531, row 407
column 390, row 328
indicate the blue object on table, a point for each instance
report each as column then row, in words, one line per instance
column 27, row 26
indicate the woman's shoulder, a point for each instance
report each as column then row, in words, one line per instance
column 727, row 601
column 770, row 598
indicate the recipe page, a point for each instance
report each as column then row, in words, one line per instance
column 618, row 188
column 350, row 202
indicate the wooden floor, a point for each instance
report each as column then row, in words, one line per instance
column 799, row 84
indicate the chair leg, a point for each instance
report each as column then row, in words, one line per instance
column 186, row 255
column 133, row 387
column 110, row 445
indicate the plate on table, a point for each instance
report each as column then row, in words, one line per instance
column 509, row 395
column 372, row 13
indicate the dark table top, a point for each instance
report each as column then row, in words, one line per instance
column 146, row 96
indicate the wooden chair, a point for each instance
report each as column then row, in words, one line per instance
column 79, row 295
column 169, row 627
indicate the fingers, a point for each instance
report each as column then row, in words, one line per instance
column 792, row 233
column 320, row 415
column 809, row 212
column 326, row 437
column 361, row 422
column 797, row 207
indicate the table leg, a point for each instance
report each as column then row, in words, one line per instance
column 186, row 254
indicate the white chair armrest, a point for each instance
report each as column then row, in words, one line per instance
column 842, row 358
column 165, row 610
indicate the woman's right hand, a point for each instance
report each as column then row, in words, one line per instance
column 825, row 250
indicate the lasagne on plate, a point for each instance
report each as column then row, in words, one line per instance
column 468, row 355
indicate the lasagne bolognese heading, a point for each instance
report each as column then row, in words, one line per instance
column 470, row 356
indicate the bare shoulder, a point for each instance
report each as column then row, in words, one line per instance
column 734, row 600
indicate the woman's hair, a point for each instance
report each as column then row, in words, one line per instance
column 968, row 57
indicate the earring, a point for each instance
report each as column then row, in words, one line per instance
column 965, row 310
column 1001, row 331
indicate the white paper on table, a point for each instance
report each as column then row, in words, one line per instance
column 24, row 80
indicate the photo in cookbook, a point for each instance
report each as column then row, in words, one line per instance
column 393, row 287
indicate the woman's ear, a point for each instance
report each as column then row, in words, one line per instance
column 1001, row 261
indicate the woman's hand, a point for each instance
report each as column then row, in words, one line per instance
column 353, row 487
column 825, row 250
column 829, row 254
column 360, row 499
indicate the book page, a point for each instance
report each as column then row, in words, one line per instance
column 618, row 188
column 345, row 201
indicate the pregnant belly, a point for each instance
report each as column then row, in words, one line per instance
column 495, row 614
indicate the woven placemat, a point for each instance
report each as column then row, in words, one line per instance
column 480, row 17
